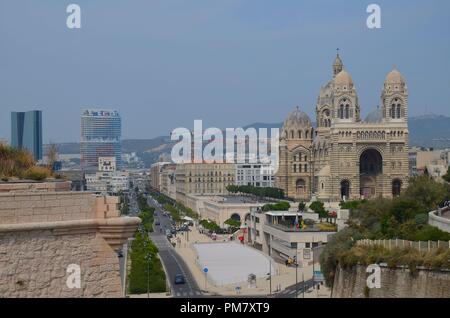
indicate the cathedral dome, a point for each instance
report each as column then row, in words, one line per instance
column 394, row 77
column 297, row 118
column 375, row 116
column 343, row 78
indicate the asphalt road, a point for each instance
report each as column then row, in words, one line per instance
column 173, row 263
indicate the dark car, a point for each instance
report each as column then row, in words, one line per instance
column 173, row 231
column 179, row 279
column 157, row 222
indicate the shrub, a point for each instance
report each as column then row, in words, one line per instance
column 36, row 173
column 233, row 223
column 279, row 206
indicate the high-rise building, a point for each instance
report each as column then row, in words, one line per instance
column 26, row 132
column 100, row 137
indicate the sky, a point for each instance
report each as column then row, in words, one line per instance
column 164, row 63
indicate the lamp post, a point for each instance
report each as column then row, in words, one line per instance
column 296, row 270
column 270, row 276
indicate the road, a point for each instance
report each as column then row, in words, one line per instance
column 173, row 263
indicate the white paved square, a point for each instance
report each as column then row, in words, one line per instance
column 232, row 262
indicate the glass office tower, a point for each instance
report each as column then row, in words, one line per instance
column 100, row 137
column 26, row 132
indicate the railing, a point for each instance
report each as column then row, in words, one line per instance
column 280, row 247
column 293, row 228
column 421, row 246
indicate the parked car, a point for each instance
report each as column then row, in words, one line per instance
column 179, row 279
column 173, row 231
column 157, row 222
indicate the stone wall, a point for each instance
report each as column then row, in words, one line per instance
column 395, row 283
column 42, row 232
column 34, row 264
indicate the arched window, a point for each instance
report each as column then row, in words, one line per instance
column 299, row 134
column 393, row 111
column 292, row 134
column 399, row 111
column 347, row 111
column 306, row 134
column 341, row 111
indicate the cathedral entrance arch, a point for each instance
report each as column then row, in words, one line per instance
column 345, row 189
column 370, row 169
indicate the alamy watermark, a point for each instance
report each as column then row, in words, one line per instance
column 74, row 278
column 374, row 19
column 73, row 21
column 237, row 146
column 374, row 279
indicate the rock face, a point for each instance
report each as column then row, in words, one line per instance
column 45, row 234
column 395, row 283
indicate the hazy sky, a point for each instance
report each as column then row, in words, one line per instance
column 164, row 63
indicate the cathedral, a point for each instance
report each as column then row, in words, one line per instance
column 344, row 157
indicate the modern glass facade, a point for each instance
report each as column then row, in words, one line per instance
column 100, row 137
column 26, row 132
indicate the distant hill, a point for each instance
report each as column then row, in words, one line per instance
column 429, row 131
column 425, row 131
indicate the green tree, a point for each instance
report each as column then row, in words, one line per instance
column 319, row 208
column 301, row 206
column 141, row 247
column 446, row 176
column 233, row 223
column 427, row 192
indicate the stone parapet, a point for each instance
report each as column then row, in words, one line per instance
column 44, row 232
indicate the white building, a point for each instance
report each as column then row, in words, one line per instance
column 111, row 182
column 276, row 234
column 255, row 174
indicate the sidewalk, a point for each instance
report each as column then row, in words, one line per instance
column 284, row 278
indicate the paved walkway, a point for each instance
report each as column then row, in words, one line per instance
column 281, row 282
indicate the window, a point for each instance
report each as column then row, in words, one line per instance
column 399, row 111
column 341, row 112
column 347, row 111
column 392, row 111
